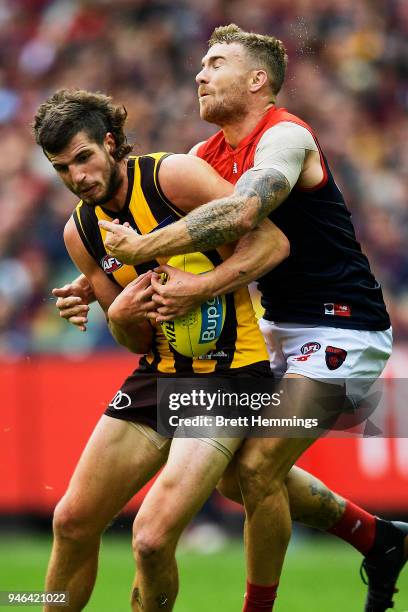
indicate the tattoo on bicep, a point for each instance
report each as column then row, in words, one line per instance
column 268, row 187
column 222, row 221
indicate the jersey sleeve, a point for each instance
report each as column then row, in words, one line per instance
column 283, row 147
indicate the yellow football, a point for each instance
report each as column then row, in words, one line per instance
column 197, row 332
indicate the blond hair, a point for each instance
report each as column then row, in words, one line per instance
column 267, row 51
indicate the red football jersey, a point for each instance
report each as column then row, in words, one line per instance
column 232, row 163
column 326, row 266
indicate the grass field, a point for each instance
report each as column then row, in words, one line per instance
column 320, row 576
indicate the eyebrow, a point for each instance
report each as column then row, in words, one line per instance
column 62, row 165
column 212, row 59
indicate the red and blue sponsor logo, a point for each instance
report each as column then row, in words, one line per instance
column 335, row 357
column 337, row 310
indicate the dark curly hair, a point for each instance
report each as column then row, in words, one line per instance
column 69, row 111
column 267, row 51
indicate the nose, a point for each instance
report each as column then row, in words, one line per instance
column 202, row 76
column 77, row 175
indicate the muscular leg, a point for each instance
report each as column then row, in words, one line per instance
column 117, row 461
column 190, row 475
column 263, row 467
column 311, row 502
column 267, row 506
column 314, row 504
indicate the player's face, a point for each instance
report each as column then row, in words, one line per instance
column 223, row 83
column 88, row 169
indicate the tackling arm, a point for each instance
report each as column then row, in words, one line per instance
column 220, row 221
column 257, row 252
column 257, row 193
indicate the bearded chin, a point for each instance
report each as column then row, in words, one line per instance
column 114, row 182
column 222, row 114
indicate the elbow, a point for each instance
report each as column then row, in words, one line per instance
column 279, row 253
column 247, row 221
column 246, row 215
column 284, row 247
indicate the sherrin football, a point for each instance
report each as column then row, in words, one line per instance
column 197, row 332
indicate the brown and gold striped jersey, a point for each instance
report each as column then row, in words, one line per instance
column 147, row 209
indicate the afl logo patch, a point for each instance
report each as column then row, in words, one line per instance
column 335, row 357
column 310, row 347
column 110, row 264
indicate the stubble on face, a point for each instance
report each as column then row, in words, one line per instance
column 113, row 182
column 226, row 106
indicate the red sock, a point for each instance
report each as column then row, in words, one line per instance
column 259, row 598
column 357, row 527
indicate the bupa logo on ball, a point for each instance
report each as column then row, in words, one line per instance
column 110, row 264
column 211, row 320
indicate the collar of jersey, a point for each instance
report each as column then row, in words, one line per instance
column 245, row 142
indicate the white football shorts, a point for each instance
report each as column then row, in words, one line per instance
column 326, row 353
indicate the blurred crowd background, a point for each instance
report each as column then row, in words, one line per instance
column 347, row 77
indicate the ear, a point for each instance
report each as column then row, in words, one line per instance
column 257, row 79
column 109, row 143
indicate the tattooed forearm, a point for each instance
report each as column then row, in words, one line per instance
column 266, row 189
column 216, row 223
column 257, row 193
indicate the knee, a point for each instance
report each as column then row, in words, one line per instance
column 258, row 480
column 229, row 488
column 149, row 544
column 70, row 524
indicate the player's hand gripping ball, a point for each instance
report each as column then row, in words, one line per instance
column 197, row 332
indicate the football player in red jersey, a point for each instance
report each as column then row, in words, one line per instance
column 324, row 293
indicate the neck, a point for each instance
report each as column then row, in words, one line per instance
column 117, row 202
column 236, row 131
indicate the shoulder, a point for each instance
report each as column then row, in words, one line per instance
column 194, row 150
column 75, row 245
column 188, row 181
column 70, row 229
column 74, row 227
column 178, row 165
column 287, row 135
